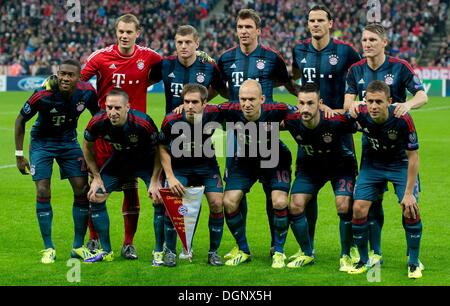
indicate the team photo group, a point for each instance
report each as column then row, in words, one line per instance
column 341, row 95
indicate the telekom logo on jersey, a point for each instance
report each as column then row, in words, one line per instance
column 310, row 75
column 120, row 79
column 238, row 78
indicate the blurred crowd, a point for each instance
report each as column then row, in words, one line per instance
column 36, row 34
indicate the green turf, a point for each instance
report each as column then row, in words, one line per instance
column 20, row 239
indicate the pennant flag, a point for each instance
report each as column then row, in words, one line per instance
column 184, row 212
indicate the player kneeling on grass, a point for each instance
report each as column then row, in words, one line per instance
column 193, row 166
column 391, row 155
column 133, row 136
column 54, row 136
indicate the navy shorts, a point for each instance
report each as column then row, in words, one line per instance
column 373, row 177
column 208, row 176
column 242, row 173
column 67, row 154
column 309, row 180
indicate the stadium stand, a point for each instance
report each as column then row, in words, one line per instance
column 35, row 35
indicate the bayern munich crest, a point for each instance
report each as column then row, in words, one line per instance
column 260, row 64
column 200, row 77
column 182, row 210
column 392, row 135
column 80, row 106
column 327, row 137
column 133, row 138
column 389, row 79
column 140, row 64
column 333, row 59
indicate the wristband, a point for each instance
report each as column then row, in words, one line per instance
column 19, row 153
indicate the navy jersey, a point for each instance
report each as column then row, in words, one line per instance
column 263, row 65
column 327, row 68
column 58, row 117
column 134, row 143
column 396, row 73
column 321, row 146
column 270, row 113
column 175, row 75
column 184, row 140
column 387, row 142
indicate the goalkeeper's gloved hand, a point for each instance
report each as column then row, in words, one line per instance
column 51, row 83
column 204, row 57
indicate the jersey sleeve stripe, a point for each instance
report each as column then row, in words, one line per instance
column 409, row 122
column 360, row 63
column 39, row 95
column 96, row 119
column 169, row 118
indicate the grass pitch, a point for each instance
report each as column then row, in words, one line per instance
column 20, row 238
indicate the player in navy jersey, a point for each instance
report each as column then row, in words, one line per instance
column 324, row 61
column 320, row 159
column 256, row 128
column 252, row 60
column 133, row 137
column 400, row 77
column 391, row 154
column 54, row 136
column 193, row 167
column 186, row 67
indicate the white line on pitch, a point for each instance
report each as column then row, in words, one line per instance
column 7, row 166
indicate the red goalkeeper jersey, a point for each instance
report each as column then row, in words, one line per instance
column 115, row 70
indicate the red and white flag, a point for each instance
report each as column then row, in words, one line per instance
column 184, row 212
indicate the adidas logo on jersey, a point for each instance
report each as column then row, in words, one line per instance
column 113, row 66
column 171, row 75
column 303, row 61
column 361, row 81
column 233, row 66
column 53, row 111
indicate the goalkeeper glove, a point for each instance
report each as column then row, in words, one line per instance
column 51, row 83
column 204, row 57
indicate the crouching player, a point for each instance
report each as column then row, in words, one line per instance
column 320, row 158
column 391, row 155
column 193, row 165
column 133, row 137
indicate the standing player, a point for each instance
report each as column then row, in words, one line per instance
column 190, row 169
column 320, row 158
column 250, row 164
column 324, row 61
column 391, row 154
column 133, row 137
column 54, row 136
column 251, row 60
column 186, row 67
column 127, row 66
column 399, row 75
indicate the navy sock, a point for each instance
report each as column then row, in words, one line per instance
column 345, row 231
column 280, row 228
column 215, row 225
column 170, row 235
column 158, row 226
column 413, row 229
column 80, row 214
column 376, row 221
column 299, row 226
column 235, row 223
column 44, row 214
column 360, row 230
column 100, row 219
column 270, row 214
column 311, row 215
column 243, row 208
